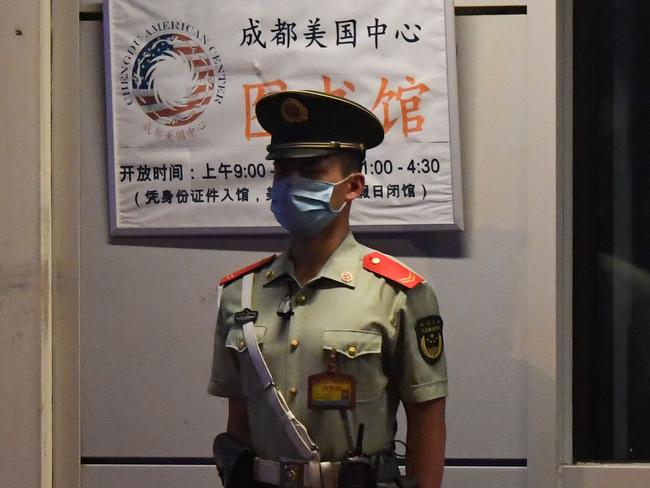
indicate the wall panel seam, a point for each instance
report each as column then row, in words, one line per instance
column 45, row 294
column 459, row 11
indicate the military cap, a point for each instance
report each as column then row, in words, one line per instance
column 306, row 123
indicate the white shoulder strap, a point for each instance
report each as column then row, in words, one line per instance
column 219, row 295
column 257, row 359
column 295, row 430
column 247, row 290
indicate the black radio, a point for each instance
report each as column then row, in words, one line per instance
column 356, row 467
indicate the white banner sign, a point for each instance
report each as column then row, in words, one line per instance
column 186, row 154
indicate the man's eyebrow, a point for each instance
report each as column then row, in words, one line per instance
column 318, row 164
column 312, row 170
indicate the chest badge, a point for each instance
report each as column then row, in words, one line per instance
column 429, row 336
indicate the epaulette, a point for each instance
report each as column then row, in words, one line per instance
column 387, row 267
column 248, row 269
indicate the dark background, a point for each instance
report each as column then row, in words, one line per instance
column 611, row 252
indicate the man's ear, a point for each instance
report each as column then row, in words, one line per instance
column 356, row 183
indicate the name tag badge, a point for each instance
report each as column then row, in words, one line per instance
column 331, row 389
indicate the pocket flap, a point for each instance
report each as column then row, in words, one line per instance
column 235, row 337
column 352, row 343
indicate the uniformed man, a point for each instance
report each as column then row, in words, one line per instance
column 329, row 305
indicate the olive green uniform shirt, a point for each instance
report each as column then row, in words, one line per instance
column 370, row 321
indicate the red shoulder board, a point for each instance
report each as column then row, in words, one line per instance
column 389, row 268
column 248, row 269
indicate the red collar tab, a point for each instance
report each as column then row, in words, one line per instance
column 248, row 269
column 387, row 267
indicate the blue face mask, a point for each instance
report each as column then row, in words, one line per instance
column 302, row 205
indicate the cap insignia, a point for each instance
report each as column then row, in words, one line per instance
column 294, row 111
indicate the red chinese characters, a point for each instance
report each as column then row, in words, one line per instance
column 402, row 103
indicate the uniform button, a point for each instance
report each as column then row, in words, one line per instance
column 242, row 344
column 269, row 275
column 301, row 299
column 294, row 344
column 352, row 350
column 375, row 260
column 293, row 390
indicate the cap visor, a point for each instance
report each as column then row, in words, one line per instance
column 300, row 152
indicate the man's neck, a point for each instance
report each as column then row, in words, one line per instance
column 310, row 255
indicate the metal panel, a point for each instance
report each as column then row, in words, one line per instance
column 147, row 305
column 488, row 3
column 484, row 477
column 606, row 476
column 147, row 315
column 65, row 244
column 96, row 5
column 90, row 5
column 479, row 275
column 120, row 476
column 546, row 220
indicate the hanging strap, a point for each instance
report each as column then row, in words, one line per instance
column 295, row 430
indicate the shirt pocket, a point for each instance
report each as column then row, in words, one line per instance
column 359, row 354
column 236, row 342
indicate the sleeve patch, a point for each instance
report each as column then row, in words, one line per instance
column 429, row 335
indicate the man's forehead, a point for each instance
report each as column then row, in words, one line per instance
column 315, row 162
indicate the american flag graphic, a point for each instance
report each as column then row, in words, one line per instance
column 146, row 70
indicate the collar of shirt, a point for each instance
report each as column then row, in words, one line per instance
column 342, row 266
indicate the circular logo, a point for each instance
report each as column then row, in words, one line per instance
column 294, row 112
column 173, row 79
